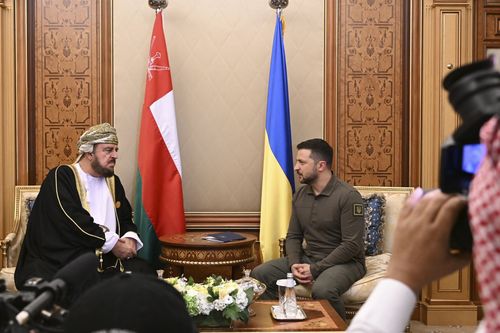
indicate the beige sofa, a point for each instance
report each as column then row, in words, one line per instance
column 376, row 265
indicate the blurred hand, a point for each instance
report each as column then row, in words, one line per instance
column 420, row 251
column 302, row 273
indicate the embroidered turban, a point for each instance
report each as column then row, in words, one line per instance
column 102, row 133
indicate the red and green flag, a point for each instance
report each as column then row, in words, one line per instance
column 159, row 207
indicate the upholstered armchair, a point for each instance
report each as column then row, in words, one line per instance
column 382, row 206
column 11, row 245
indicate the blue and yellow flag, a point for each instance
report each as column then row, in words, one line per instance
column 277, row 179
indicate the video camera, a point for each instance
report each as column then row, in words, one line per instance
column 474, row 92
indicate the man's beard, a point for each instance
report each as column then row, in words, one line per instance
column 310, row 179
column 99, row 169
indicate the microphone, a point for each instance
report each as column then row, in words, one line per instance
column 67, row 277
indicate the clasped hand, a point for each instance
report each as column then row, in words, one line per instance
column 125, row 248
column 302, row 273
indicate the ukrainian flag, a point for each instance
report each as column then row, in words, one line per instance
column 277, row 180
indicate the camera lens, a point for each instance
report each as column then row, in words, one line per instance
column 474, row 92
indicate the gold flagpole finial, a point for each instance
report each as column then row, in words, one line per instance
column 278, row 4
column 158, row 4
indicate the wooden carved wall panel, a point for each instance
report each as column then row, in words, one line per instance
column 68, row 78
column 488, row 27
column 370, row 103
column 492, row 25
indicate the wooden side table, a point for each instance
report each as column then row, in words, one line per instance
column 191, row 255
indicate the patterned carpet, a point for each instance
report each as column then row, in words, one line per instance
column 419, row 327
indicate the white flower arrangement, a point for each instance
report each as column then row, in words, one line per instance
column 214, row 300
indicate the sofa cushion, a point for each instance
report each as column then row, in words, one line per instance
column 376, row 268
column 374, row 205
column 395, row 198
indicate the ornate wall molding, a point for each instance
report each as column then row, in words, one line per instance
column 220, row 221
column 413, row 93
column 447, row 29
column 330, row 124
column 21, row 111
column 7, row 115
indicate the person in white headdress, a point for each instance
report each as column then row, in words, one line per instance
column 82, row 208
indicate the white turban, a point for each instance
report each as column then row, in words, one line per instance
column 102, row 133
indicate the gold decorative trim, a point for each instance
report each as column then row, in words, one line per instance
column 64, row 211
column 111, row 184
column 82, row 193
column 20, row 190
column 208, row 263
column 385, row 189
column 22, row 193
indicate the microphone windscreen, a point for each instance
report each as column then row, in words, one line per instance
column 77, row 270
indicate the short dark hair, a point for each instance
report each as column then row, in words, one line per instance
column 320, row 150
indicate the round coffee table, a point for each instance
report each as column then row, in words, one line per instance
column 189, row 254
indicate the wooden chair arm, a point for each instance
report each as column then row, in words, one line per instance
column 4, row 244
column 9, row 238
column 281, row 242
